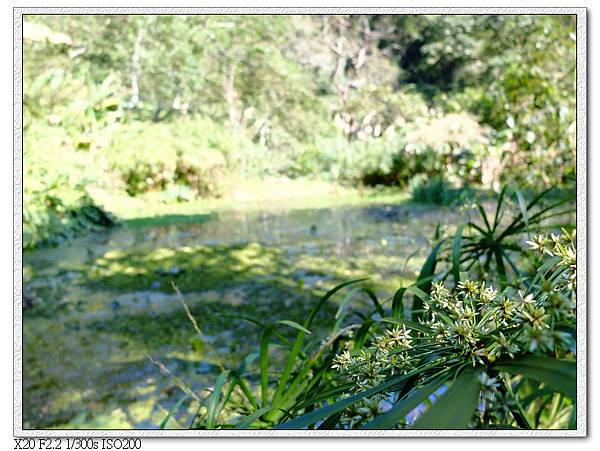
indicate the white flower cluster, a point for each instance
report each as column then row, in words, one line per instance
column 387, row 355
column 563, row 246
column 476, row 322
column 481, row 323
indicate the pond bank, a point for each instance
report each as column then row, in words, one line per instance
column 243, row 194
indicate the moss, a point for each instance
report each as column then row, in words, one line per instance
column 199, row 268
column 221, row 267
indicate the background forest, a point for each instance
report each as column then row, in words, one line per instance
column 173, row 108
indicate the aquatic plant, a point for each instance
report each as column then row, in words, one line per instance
column 476, row 339
column 477, row 354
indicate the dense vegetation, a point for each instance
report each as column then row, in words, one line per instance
column 177, row 105
column 472, row 112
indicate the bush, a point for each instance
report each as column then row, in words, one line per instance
column 188, row 152
column 339, row 159
column 436, row 191
column 56, row 177
column 58, row 211
column 429, row 190
column 452, row 145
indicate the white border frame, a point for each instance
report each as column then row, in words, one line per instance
column 582, row 354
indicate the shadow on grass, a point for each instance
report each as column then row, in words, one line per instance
column 198, row 268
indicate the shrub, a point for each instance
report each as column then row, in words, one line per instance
column 429, row 190
column 451, row 145
column 337, row 158
column 186, row 152
column 436, row 191
column 56, row 177
column 56, row 211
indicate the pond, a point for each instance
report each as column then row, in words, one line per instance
column 108, row 344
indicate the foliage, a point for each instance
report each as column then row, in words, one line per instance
column 56, row 203
column 57, row 212
column 168, row 155
column 335, row 76
column 529, row 99
column 474, row 322
column 435, row 190
column 493, row 244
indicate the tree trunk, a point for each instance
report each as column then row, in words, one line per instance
column 231, row 97
column 136, row 67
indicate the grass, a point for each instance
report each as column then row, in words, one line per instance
column 259, row 195
column 168, row 219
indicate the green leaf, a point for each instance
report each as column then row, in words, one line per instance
column 501, row 268
column 398, row 304
column 427, row 272
column 456, row 253
column 436, row 234
column 373, row 298
column 476, row 227
column 361, row 335
column 174, row 409
column 391, row 418
column 326, row 297
column 454, row 409
column 264, row 364
column 560, row 375
column 347, row 298
column 264, row 353
column 250, row 419
column 247, row 361
column 520, row 416
column 295, row 325
column 211, row 414
column 418, row 293
column 485, row 219
column 330, row 422
column 237, row 379
column 323, row 394
column 522, row 206
column 510, row 263
column 541, row 272
column 312, row 417
column 499, row 208
column 525, row 402
column 291, row 360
